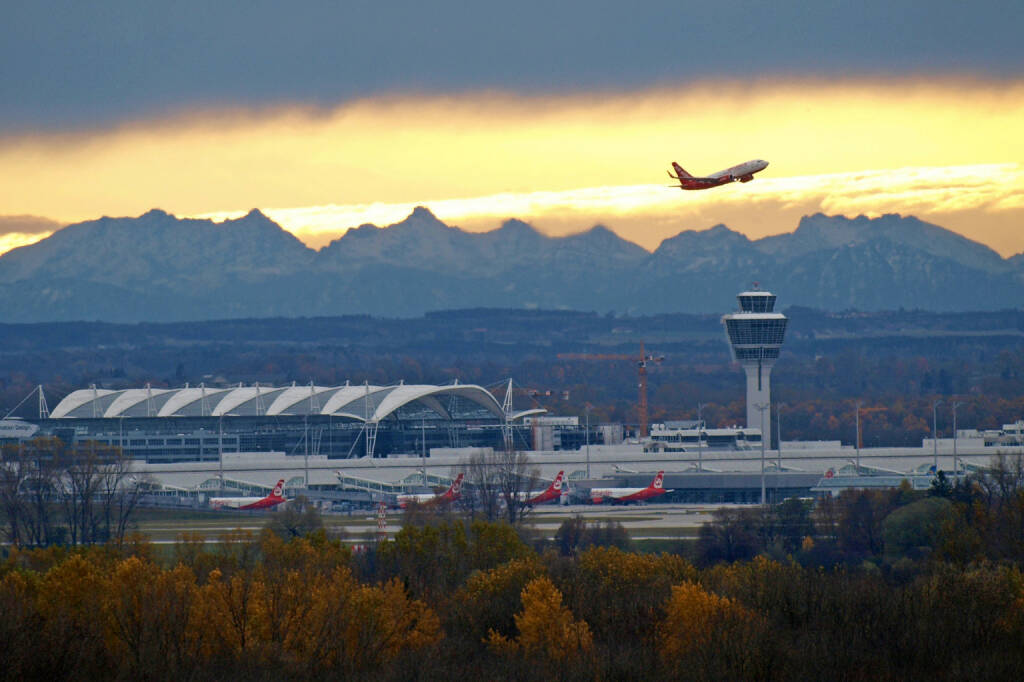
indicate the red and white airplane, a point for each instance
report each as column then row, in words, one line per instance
column 614, row 495
column 553, row 492
column 275, row 498
column 453, row 493
column 744, row 172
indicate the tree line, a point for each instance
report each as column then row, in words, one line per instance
column 54, row 493
column 870, row 585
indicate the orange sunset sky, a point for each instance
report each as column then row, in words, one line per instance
column 935, row 143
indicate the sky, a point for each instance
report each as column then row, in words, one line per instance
column 327, row 115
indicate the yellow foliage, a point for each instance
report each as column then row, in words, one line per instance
column 546, row 626
column 231, row 613
column 616, row 567
column 693, row 616
column 150, row 615
column 73, row 591
column 489, row 599
column 360, row 627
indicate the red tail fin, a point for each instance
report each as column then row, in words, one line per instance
column 557, row 483
column 680, row 171
column 658, row 482
column 278, row 492
column 456, row 489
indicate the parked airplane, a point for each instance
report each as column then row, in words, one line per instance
column 615, row 495
column 275, row 498
column 453, row 493
column 741, row 173
column 553, row 492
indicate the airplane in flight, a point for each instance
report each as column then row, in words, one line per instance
column 553, row 492
column 453, row 493
column 275, row 498
column 620, row 495
column 744, row 172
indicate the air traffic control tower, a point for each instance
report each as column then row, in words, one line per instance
column 755, row 335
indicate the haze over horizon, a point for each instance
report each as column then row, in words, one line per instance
column 327, row 117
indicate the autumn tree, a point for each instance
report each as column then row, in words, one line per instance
column 490, row 598
column 546, row 627
column 620, row 593
column 706, row 636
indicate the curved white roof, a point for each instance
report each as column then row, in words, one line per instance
column 132, row 397
column 75, row 400
column 247, row 400
column 292, row 399
column 359, row 402
column 184, row 398
column 403, row 395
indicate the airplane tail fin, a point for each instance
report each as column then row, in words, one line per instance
column 278, row 492
column 556, row 485
column 456, row 488
column 680, row 172
column 658, row 482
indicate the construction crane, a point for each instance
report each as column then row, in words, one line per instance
column 864, row 411
column 641, row 361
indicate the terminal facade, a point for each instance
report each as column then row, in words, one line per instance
column 202, row 423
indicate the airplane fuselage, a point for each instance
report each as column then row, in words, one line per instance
column 243, row 503
column 619, row 495
column 275, row 498
column 453, row 493
column 743, row 172
column 601, row 495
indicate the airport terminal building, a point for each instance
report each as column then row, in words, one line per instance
column 200, row 423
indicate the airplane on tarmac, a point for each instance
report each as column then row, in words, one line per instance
column 453, row 493
column 744, row 172
column 275, row 498
column 553, row 492
column 619, row 495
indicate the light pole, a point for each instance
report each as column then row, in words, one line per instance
column 586, row 436
column 856, row 442
column 761, row 407
column 935, row 435
column 700, row 436
column 778, row 430
column 423, row 449
column 954, row 406
column 220, row 451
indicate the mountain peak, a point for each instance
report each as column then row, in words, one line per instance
column 715, row 237
column 823, row 232
column 423, row 213
column 156, row 213
column 516, row 226
column 421, row 219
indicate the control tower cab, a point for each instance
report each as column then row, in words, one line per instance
column 755, row 334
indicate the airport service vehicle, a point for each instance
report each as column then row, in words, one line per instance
column 453, row 493
column 744, row 172
column 275, row 498
column 621, row 495
column 553, row 492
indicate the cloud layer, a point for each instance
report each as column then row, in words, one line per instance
column 946, row 150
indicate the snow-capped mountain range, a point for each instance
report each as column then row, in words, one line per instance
column 157, row 267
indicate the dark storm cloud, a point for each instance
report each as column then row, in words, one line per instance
column 26, row 224
column 72, row 64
